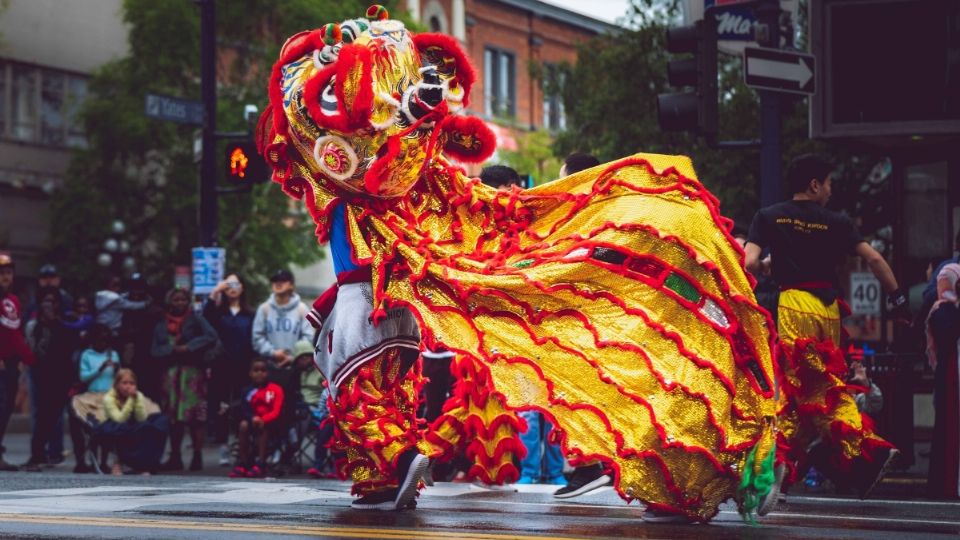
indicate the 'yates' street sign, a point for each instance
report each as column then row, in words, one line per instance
column 173, row 109
column 782, row 71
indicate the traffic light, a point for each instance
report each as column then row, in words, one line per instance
column 243, row 164
column 691, row 111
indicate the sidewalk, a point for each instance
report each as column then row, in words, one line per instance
column 17, row 442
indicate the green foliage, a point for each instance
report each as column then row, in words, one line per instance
column 533, row 156
column 142, row 172
column 610, row 97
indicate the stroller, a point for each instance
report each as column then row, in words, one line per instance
column 88, row 412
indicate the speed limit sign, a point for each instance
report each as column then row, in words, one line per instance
column 864, row 294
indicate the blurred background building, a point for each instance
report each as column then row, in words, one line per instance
column 49, row 48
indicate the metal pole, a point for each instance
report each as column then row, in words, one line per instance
column 771, row 190
column 208, row 165
column 770, row 152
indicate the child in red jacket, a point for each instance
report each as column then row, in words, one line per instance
column 259, row 420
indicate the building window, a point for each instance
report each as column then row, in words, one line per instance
column 499, row 94
column 41, row 105
column 554, row 116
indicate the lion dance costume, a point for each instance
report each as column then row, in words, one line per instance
column 613, row 300
column 817, row 409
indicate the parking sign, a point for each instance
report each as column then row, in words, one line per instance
column 208, row 267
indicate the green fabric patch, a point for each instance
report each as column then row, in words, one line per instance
column 682, row 287
column 523, row 264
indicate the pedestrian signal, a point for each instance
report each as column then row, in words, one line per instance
column 243, row 164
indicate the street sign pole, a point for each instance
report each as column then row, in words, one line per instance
column 208, row 90
column 768, row 15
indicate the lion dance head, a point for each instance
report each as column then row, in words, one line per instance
column 365, row 105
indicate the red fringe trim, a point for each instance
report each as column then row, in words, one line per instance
column 467, row 128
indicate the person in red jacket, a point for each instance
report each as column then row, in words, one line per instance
column 13, row 349
column 260, row 415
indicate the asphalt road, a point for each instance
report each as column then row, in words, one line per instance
column 61, row 505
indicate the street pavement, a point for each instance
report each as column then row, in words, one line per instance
column 62, row 505
column 59, row 504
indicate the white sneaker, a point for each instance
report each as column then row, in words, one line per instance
column 659, row 516
column 770, row 501
column 410, row 475
column 224, row 456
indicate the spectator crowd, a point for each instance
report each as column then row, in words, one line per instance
column 129, row 376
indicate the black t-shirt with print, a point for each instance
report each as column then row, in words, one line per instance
column 806, row 241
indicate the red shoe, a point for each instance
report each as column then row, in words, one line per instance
column 255, row 472
column 239, row 472
column 314, row 472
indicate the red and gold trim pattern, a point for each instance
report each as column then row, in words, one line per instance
column 822, row 405
column 475, row 422
column 374, row 415
column 815, row 400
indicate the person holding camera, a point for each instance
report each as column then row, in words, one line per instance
column 228, row 312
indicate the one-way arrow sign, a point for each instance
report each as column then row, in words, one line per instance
column 782, row 71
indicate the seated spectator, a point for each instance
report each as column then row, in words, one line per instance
column 99, row 362
column 137, row 436
column 313, row 397
column 98, row 366
column 259, row 421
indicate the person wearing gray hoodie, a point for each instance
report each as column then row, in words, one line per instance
column 281, row 322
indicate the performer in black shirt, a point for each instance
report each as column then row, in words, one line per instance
column 806, row 243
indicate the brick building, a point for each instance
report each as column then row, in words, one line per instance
column 504, row 38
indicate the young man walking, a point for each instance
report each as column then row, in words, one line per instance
column 807, row 242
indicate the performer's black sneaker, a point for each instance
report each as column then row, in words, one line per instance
column 411, row 467
column 378, row 500
column 584, row 480
column 868, row 474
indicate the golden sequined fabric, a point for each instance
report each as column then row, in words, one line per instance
column 613, row 300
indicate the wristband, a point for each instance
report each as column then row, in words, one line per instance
column 897, row 299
